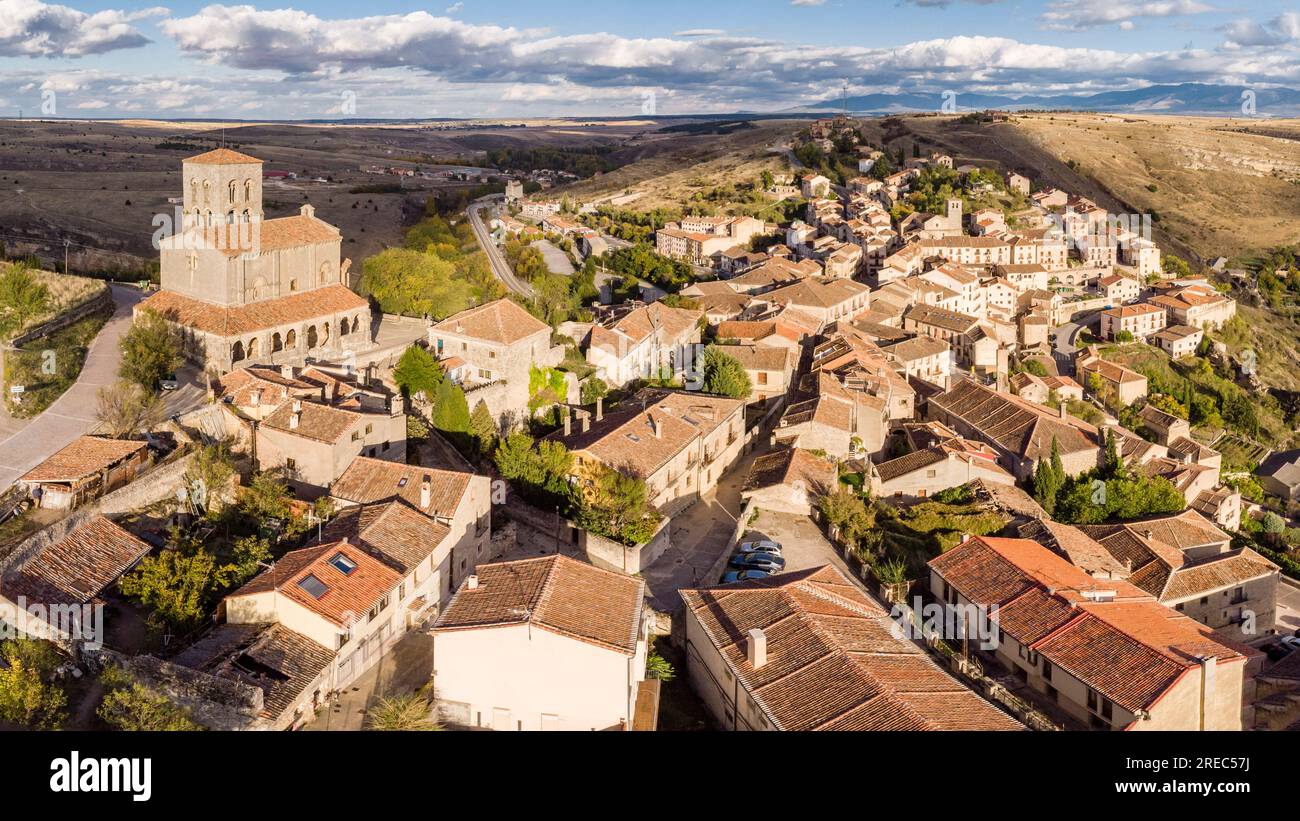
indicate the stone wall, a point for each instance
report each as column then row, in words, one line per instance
column 215, row 702
column 540, row 531
column 102, row 301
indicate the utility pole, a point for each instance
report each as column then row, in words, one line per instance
column 66, row 243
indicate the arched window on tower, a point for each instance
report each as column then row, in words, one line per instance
column 207, row 188
column 231, row 189
column 248, row 190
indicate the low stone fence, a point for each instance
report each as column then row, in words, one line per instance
column 99, row 302
column 547, row 532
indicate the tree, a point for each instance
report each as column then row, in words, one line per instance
column 724, row 375
column 450, row 409
column 414, row 283
column 151, row 349
column 266, row 496
column 1049, row 476
column 483, row 427
column 209, row 475
column 418, row 373
column 615, row 506
column 409, row 712
column 129, row 705
column 175, row 584
column 658, row 667
column 27, row 696
column 22, row 297
column 594, row 388
column 127, row 409
column 1112, row 463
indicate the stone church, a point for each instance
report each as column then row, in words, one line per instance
column 246, row 290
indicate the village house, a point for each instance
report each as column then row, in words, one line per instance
column 1101, row 376
column 1018, row 183
column 680, row 443
column 1119, row 289
column 941, row 466
column 814, row 186
column 644, row 343
column 786, row 653
column 1191, row 566
column 789, row 480
column 770, row 369
column 549, row 643
column 354, row 601
column 1197, row 305
column 1176, row 674
column 1020, row 431
column 1279, row 475
column 1141, row 321
column 1178, row 340
column 1041, row 389
column 85, row 469
column 826, row 299
column 496, row 346
column 69, row 572
column 460, row 502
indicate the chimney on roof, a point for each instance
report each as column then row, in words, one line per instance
column 308, row 210
column 657, row 425
column 297, row 406
column 586, row 422
column 426, row 493
column 1060, row 409
column 471, row 583
column 600, row 408
column 1209, row 669
column 286, row 371
column 568, row 425
column 256, row 397
column 756, row 648
column 1148, row 533
column 344, row 540
column 294, row 419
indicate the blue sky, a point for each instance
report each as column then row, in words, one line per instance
column 509, row 58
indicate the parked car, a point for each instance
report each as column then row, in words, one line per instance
column 759, row 561
column 760, row 546
column 1290, row 642
column 743, row 575
column 169, row 382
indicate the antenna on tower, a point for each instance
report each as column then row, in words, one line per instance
column 846, row 98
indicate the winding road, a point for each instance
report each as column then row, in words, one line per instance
column 495, row 258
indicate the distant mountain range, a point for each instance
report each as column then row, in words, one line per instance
column 1184, row 98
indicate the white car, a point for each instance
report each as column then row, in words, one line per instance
column 761, row 546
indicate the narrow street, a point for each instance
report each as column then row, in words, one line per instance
column 29, row 442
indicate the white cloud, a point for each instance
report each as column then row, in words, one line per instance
column 455, row 7
column 1282, row 29
column 1086, row 14
column 31, row 28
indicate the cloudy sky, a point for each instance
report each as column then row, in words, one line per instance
column 393, row 58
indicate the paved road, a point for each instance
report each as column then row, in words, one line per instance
column 1288, row 609
column 1067, row 338
column 495, row 258
column 73, row 413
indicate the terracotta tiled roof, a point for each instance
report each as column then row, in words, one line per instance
column 271, row 657
column 346, row 596
column 502, row 322
column 555, row 593
column 76, row 568
column 1129, row 648
column 316, row 421
column 833, row 660
column 1013, row 424
column 222, row 156
column 218, row 320
column 1193, row 580
column 86, row 455
column 393, row 531
column 625, row 439
column 789, row 465
column 760, row 357
column 367, row 481
column 1076, row 546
